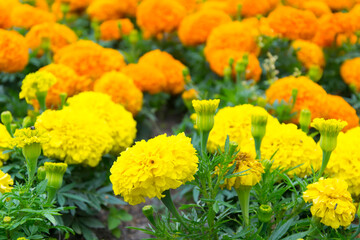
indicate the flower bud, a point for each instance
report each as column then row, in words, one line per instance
column 188, row 96
column 315, row 73
column 7, row 219
column 305, row 120
column 148, row 212
column 186, row 74
column 239, row 67
column 133, row 37
column 205, row 112
column 233, row 147
column 258, row 124
column 294, row 94
column 265, row 213
column 227, row 74
column 27, row 122
column 54, row 174
column 41, row 173
column 6, row 118
column 231, row 62
column 261, row 102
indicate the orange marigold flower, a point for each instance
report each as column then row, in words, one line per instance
column 190, row 5
column 338, row 108
column 58, row 35
column 214, row 5
column 218, row 60
column 146, row 77
column 310, row 95
column 115, row 29
column 195, row 28
column 122, row 90
column 14, row 53
column 238, row 36
column 6, row 8
column 317, row 7
column 309, row 54
column 90, row 59
column 346, row 38
column 158, row 16
column 169, row 66
column 340, row 4
column 251, row 8
column 293, row 23
column 26, row 16
column 350, row 72
column 103, row 10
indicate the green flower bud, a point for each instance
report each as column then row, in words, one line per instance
column 258, row 124
column 315, row 73
column 7, row 219
column 231, row 62
column 6, row 118
column 265, row 213
column 54, row 174
column 227, row 73
column 41, row 173
column 27, row 122
column 305, row 120
column 148, row 212
column 133, row 37
column 245, row 60
column 205, row 112
column 233, row 147
column 239, row 67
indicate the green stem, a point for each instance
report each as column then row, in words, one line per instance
column 304, row 128
column 31, row 166
column 257, row 147
column 204, row 139
column 325, row 161
column 8, row 128
column 314, row 225
column 356, row 233
column 169, row 204
column 41, row 97
column 244, row 200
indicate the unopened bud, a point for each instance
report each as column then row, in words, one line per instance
column 315, row 73
column 41, row 173
column 265, row 213
column 54, row 174
column 305, row 120
column 205, row 112
column 6, row 118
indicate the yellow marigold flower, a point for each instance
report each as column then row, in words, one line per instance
column 5, row 139
column 35, row 83
column 350, row 72
column 28, row 136
column 234, row 122
column 310, row 95
column 309, row 54
column 147, row 169
column 331, row 202
column 67, row 82
column 5, row 182
column 219, row 60
column 238, row 36
column 103, row 10
column 57, row 34
column 26, row 16
column 146, row 77
column 115, row 29
column 169, row 66
column 317, row 7
column 120, row 121
column 6, row 8
column 159, row 16
column 76, row 136
column 251, row 168
column 338, row 108
column 293, row 23
column 195, row 28
column 122, row 90
column 14, row 53
column 292, row 147
column 90, row 59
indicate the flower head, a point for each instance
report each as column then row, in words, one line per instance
column 115, row 29
column 350, row 72
column 309, row 54
column 26, row 16
column 6, row 8
column 149, row 168
column 102, row 10
column 205, row 112
column 331, row 202
column 28, row 136
column 35, row 83
column 5, row 182
column 54, row 174
column 5, row 143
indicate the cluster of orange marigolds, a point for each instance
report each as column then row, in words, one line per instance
column 102, row 90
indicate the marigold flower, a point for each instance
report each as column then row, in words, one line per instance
column 331, row 202
column 159, row 16
column 238, row 36
column 90, row 59
column 214, row 5
column 120, row 121
column 146, row 77
column 76, row 136
column 28, row 136
column 310, row 95
column 338, row 108
column 5, row 139
column 122, row 90
column 26, row 16
column 58, row 35
column 219, row 60
column 115, row 29
column 350, row 72
column 147, row 169
column 195, row 28
column 317, row 7
column 309, row 54
column 293, row 23
column 5, row 182
column 103, row 10
column 6, row 8
column 250, row 8
column 169, row 66
column 14, row 53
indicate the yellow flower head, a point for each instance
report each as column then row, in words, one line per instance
column 76, row 136
column 251, row 172
column 5, row 143
column 5, row 182
column 28, row 136
column 331, row 202
column 329, row 131
column 120, row 121
column 147, row 169
column 35, row 83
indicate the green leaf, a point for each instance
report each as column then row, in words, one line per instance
column 50, row 218
column 116, row 232
column 296, row 236
column 216, row 207
column 124, row 216
column 281, row 230
column 92, row 222
column 41, row 187
column 113, row 222
column 75, row 197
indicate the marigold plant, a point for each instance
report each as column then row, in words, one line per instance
column 309, row 54
column 6, row 8
column 115, row 29
column 26, row 16
column 350, row 72
column 102, row 10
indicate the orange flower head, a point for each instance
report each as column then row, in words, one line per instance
column 250, row 8
column 350, row 72
column 158, row 16
column 26, row 16
column 195, row 28
column 293, row 23
column 14, row 54
column 308, row 53
column 169, row 66
column 103, row 10
column 317, row 7
column 146, row 77
column 115, row 29
column 122, row 90
column 6, row 8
